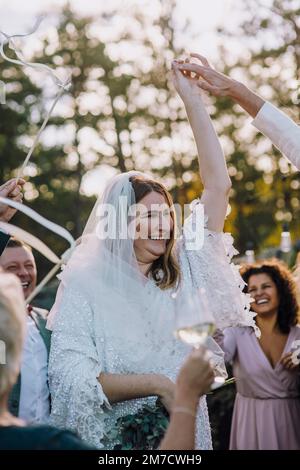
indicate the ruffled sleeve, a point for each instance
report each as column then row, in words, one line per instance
column 209, row 266
column 78, row 401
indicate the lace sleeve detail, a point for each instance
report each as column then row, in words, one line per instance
column 211, row 268
column 78, row 401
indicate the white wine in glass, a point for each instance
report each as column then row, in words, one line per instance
column 195, row 335
column 194, row 323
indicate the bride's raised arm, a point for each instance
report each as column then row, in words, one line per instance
column 210, row 266
column 212, row 165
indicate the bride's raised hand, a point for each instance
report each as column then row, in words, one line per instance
column 184, row 82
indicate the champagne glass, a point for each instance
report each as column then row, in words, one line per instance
column 195, row 323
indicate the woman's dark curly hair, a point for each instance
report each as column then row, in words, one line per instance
column 286, row 287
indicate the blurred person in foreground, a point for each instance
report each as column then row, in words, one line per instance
column 14, row 433
column 193, row 381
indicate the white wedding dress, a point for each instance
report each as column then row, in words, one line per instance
column 90, row 337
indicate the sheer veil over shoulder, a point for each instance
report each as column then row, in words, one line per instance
column 110, row 318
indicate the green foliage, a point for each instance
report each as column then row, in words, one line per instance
column 103, row 115
column 265, row 188
column 262, row 197
column 141, row 431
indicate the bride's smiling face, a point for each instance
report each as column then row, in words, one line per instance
column 154, row 227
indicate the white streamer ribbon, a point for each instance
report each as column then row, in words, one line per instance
column 36, row 243
column 62, row 232
column 28, row 238
column 31, row 240
column 64, row 85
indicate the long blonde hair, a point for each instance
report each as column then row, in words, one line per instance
column 166, row 263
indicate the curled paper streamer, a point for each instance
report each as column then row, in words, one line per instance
column 64, row 85
column 62, row 232
column 36, row 243
column 20, row 61
column 64, row 258
column 31, row 240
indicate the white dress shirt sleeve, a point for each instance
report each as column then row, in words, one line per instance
column 281, row 130
column 34, row 396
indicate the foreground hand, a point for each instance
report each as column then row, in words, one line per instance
column 212, row 81
column 287, row 362
column 196, row 375
column 12, row 189
column 166, row 392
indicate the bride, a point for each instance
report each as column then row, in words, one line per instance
column 113, row 349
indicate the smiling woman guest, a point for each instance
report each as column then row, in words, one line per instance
column 267, row 406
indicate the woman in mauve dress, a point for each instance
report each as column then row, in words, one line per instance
column 267, row 406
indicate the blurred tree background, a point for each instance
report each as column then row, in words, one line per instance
column 265, row 191
column 122, row 113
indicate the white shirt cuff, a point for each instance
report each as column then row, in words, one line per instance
column 270, row 121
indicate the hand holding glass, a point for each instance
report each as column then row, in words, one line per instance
column 194, row 323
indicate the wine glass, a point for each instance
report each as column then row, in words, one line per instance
column 194, row 324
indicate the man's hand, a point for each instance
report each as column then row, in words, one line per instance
column 12, row 189
column 212, row 81
column 219, row 84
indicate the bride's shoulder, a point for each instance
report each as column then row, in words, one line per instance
column 76, row 285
